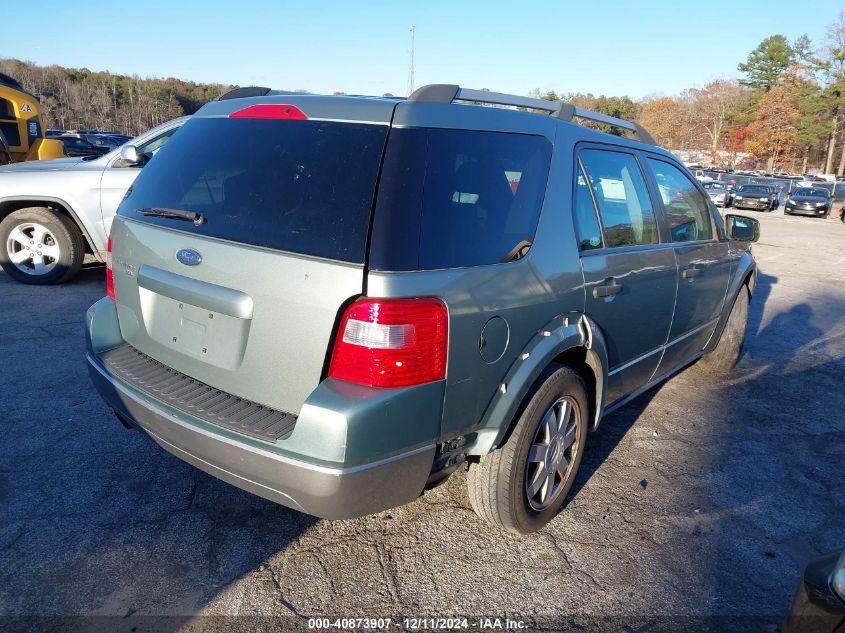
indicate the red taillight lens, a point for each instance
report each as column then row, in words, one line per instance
column 392, row 342
column 109, row 272
column 270, row 111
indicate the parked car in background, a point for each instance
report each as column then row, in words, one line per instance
column 812, row 201
column 758, row 197
column 819, row 605
column 721, row 193
column 356, row 296
column 107, row 141
column 96, row 138
column 52, row 212
column 78, row 147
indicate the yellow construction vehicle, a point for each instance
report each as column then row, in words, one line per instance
column 21, row 132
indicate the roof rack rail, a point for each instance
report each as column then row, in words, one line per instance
column 447, row 93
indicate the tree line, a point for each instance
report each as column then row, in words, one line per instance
column 79, row 98
column 786, row 112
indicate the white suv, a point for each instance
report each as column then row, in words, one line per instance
column 53, row 212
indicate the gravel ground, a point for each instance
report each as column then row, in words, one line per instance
column 701, row 499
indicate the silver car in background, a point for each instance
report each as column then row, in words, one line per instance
column 53, row 212
column 720, row 193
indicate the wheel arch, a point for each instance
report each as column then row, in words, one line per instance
column 573, row 341
column 744, row 277
column 10, row 204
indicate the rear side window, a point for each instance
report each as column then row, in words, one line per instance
column 622, row 198
column 299, row 186
column 686, row 209
column 456, row 198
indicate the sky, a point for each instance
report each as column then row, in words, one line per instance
column 607, row 47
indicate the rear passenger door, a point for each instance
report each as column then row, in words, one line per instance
column 630, row 276
column 703, row 261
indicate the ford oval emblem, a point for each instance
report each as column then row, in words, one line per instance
column 189, row 257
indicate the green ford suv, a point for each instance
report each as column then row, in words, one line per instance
column 336, row 302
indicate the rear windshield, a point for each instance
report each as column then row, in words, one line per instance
column 299, row 186
column 456, row 198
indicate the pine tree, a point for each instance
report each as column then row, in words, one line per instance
column 767, row 63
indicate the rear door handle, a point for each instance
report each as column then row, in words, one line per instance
column 607, row 290
column 690, row 273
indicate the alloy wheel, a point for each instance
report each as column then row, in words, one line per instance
column 33, row 249
column 554, row 447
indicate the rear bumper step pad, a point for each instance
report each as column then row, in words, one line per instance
column 197, row 398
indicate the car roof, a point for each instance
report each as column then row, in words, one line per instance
column 460, row 114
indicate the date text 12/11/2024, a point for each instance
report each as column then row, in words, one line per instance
column 417, row 624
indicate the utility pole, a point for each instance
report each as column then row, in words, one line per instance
column 411, row 62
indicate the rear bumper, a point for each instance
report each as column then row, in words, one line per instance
column 332, row 493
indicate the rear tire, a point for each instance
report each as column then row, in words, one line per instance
column 538, row 457
column 725, row 355
column 38, row 246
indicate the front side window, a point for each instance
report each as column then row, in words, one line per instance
column 686, row 209
column 7, row 112
column 151, row 147
column 622, row 198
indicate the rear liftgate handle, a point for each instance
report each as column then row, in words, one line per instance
column 607, row 290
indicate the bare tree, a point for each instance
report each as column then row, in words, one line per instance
column 712, row 105
column 76, row 98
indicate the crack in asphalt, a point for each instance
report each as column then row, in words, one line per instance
column 91, row 529
column 286, row 603
column 387, row 575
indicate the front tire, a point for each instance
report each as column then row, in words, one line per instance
column 38, row 246
column 725, row 355
column 522, row 485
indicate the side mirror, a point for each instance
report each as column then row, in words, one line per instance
column 742, row 228
column 129, row 155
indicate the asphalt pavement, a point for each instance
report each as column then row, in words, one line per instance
column 701, row 499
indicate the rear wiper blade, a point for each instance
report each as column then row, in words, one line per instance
column 176, row 214
column 517, row 252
